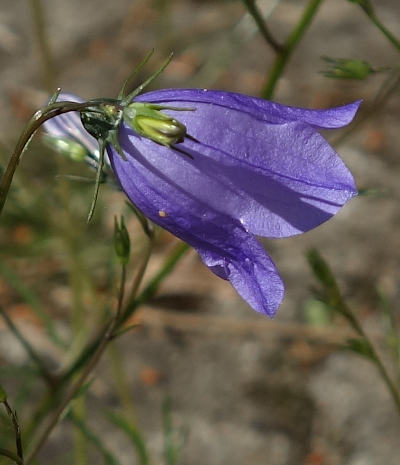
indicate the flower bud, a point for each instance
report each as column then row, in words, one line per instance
column 67, row 147
column 122, row 243
column 147, row 120
column 342, row 68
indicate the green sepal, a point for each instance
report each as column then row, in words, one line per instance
column 142, row 86
column 102, row 147
column 113, row 140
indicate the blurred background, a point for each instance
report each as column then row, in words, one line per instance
column 248, row 390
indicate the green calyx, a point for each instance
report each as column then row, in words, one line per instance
column 343, row 68
column 147, row 120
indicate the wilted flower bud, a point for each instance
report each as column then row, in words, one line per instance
column 122, row 243
column 148, row 121
column 342, row 68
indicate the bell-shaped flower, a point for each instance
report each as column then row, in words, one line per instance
column 216, row 168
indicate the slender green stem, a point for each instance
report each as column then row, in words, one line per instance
column 17, row 430
column 106, row 338
column 73, row 391
column 378, row 362
column 153, row 285
column 335, row 299
column 121, row 382
column 392, row 39
column 262, row 27
column 33, row 125
column 294, row 38
column 11, row 456
column 47, row 376
column 39, row 23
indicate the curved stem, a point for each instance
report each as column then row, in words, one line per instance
column 33, row 125
column 290, row 44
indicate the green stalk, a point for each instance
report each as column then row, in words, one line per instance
column 392, row 39
column 294, row 38
column 47, row 63
column 262, row 27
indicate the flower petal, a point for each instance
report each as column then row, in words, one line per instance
column 225, row 247
column 264, row 110
column 69, row 125
column 251, row 272
column 277, row 180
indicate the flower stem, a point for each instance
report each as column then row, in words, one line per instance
column 18, row 442
column 33, row 125
column 294, row 38
column 392, row 39
column 11, row 456
column 74, row 389
column 335, row 300
column 259, row 20
column 47, row 63
column 106, row 337
column 153, row 285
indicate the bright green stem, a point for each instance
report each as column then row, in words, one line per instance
column 262, row 27
column 294, row 38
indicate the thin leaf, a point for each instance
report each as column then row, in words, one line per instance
column 109, row 457
column 361, row 347
column 132, row 432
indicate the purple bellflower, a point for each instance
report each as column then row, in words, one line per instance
column 217, row 168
